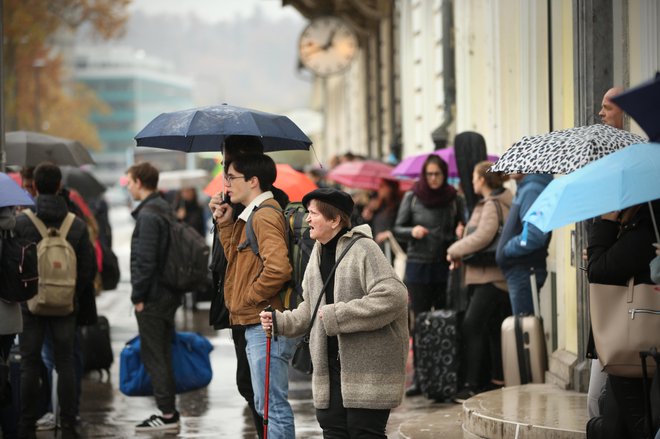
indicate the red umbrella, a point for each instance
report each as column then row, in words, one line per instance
column 362, row 174
column 294, row 183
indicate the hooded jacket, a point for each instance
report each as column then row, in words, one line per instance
column 483, row 225
column 512, row 250
column 370, row 319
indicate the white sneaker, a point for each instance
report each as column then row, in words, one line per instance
column 46, row 422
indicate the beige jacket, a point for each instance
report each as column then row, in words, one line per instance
column 483, row 225
column 369, row 318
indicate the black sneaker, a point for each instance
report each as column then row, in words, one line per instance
column 464, row 395
column 413, row 390
column 158, row 423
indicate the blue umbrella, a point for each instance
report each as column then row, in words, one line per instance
column 619, row 180
column 206, row 129
column 11, row 194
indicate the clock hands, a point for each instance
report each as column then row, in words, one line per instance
column 328, row 42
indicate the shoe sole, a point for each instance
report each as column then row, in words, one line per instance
column 158, row 428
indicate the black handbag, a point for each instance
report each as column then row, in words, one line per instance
column 302, row 358
column 486, row 256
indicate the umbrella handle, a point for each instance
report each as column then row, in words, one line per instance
column 655, row 224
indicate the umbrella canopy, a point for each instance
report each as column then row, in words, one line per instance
column 11, row 194
column 83, row 181
column 360, row 174
column 411, row 167
column 175, row 180
column 27, row 148
column 564, row 151
column 295, row 184
column 642, row 103
column 206, row 128
column 622, row 179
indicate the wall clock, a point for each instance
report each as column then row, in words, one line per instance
column 328, row 45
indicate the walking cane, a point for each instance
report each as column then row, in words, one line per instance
column 269, row 336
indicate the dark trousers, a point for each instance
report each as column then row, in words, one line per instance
column 423, row 297
column 156, row 336
column 78, row 361
column 339, row 422
column 488, row 308
column 243, row 378
column 622, row 411
column 63, row 331
column 9, row 412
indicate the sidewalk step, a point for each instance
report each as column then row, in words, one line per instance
column 523, row 412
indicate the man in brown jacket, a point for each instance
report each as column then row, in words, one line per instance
column 252, row 281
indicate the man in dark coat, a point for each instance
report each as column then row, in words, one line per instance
column 155, row 305
column 51, row 209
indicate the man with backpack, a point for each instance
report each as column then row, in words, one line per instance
column 155, row 304
column 66, row 266
column 253, row 281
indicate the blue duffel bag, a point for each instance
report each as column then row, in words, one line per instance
column 190, row 361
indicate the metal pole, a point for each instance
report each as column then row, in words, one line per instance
column 3, row 156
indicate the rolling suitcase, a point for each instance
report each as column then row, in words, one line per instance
column 436, row 353
column 96, row 346
column 523, row 346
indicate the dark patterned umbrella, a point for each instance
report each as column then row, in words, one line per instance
column 206, row 129
column 562, row 152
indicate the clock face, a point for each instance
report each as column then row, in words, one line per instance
column 327, row 45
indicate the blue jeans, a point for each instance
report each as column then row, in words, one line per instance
column 280, row 414
column 520, row 287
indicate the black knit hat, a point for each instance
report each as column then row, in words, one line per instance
column 334, row 197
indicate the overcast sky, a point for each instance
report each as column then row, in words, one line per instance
column 215, row 10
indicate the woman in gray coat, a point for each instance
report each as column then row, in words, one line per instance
column 359, row 339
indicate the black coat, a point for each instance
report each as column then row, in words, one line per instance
column 52, row 209
column 614, row 259
column 149, row 247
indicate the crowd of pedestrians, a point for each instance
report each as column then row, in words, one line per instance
column 361, row 326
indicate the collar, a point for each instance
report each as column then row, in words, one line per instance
column 254, row 203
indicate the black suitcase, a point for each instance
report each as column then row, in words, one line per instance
column 436, row 353
column 96, row 346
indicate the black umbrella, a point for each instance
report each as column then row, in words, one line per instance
column 206, row 129
column 82, row 181
column 642, row 103
column 27, row 148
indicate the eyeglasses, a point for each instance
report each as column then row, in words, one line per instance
column 433, row 174
column 229, row 178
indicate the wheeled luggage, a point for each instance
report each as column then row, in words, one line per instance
column 523, row 346
column 96, row 346
column 436, row 353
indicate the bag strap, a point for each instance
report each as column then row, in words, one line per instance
column 250, row 237
column 66, row 224
column 41, row 227
column 327, row 281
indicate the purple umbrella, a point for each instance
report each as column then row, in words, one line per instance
column 411, row 167
column 11, row 194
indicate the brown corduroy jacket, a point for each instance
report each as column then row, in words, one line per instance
column 252, row 282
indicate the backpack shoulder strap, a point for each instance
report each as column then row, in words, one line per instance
column 41, row 227
column 66, row 224
column 500, row 218
column 250, row 237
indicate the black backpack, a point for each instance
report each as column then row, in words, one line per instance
column 19, row 276
column 299, row 244
column 110, row 273
column 186, row 264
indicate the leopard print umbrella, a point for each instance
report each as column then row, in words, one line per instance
column 562, row 152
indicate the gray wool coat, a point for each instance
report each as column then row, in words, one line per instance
column 369, row 318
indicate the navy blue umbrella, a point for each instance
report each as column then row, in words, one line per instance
column 642, row 103
column 206, row 129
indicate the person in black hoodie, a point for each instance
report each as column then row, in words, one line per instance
column 620, row 249
column 52, row 209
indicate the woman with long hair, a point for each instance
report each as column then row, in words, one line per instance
column 489, row 304
column 427, row 221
